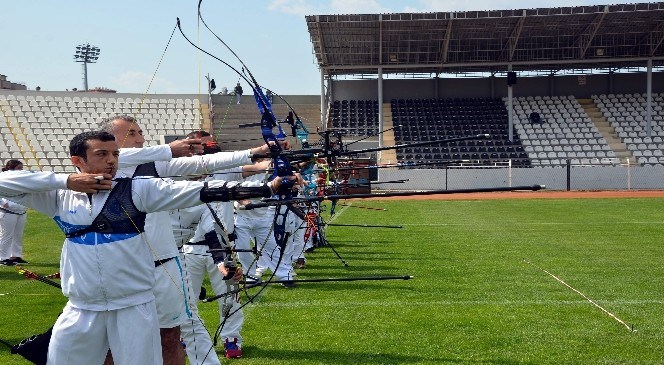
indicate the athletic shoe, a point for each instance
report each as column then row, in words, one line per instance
column 19, row 260
column 7, row 262
column 300, row 263
column 232, row 350
column 289, row 284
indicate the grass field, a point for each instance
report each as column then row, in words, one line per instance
column 473, row 299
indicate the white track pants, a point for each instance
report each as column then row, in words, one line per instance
column 11, row 235
column 297, row 227
column 261, row 229
column 197, row 264
column 83, row 337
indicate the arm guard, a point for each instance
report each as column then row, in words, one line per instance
column 221, row 255
column 216, row 250
column 236, row 192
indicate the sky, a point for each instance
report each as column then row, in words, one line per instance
column 270, row 36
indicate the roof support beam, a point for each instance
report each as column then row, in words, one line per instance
column 323, row 54
column 653, row 39
column 507, row 53
column 586, row 37
column 658, row 37
column 597, row 61
column 445, row 47
column 380, row 39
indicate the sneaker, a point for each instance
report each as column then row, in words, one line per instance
column 232, row 350
column 19, row 260
column 289, row 284
column 248, row 279
column 259, row 272
column 7, row 262
column 300, row 263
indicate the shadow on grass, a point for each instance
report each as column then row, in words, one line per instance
column 349, row 251
column 340, row 270
column 341, row 357
column 349, row 286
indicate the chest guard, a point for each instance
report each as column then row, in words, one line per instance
column 146, row 169
column 119, row 214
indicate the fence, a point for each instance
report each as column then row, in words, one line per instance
column 569, row 177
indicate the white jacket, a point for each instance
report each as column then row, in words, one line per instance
column 163, row 241
column 101, row 271
column 184, row 222
column 12, row 207
column 266, row 213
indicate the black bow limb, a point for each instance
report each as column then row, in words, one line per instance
column 34, row 348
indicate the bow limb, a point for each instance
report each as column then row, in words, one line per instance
column 282, row 166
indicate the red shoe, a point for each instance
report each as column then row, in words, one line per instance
column 233, row 351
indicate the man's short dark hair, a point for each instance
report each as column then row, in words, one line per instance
column 78, row 146
column 197, row 134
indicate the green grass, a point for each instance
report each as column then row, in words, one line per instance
column 473, row 299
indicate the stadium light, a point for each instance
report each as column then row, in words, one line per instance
column 85, row 53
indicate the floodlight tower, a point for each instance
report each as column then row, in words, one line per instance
column 85, row 53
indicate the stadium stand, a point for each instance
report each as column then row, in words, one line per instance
column 228, row 117
column 434, row 119
column 626, row 113
column 563, row 131
column 37, row 128
column 357, row 117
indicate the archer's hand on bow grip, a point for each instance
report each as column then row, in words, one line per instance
column 269, row 150
column 230, row 270
column 287, row 184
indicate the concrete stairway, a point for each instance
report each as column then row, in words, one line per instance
column 389, row 156
column 607, row 131
column 228, row 118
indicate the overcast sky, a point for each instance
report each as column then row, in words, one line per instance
column 271, row 37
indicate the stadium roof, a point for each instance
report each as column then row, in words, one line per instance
column 546, row 39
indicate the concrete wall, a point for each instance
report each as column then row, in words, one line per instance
column 291, row 99
column 581, row 178
column 580, row 86
column 72, row 94
column 218, row 99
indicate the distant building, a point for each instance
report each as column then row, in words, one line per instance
column 8, row 85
